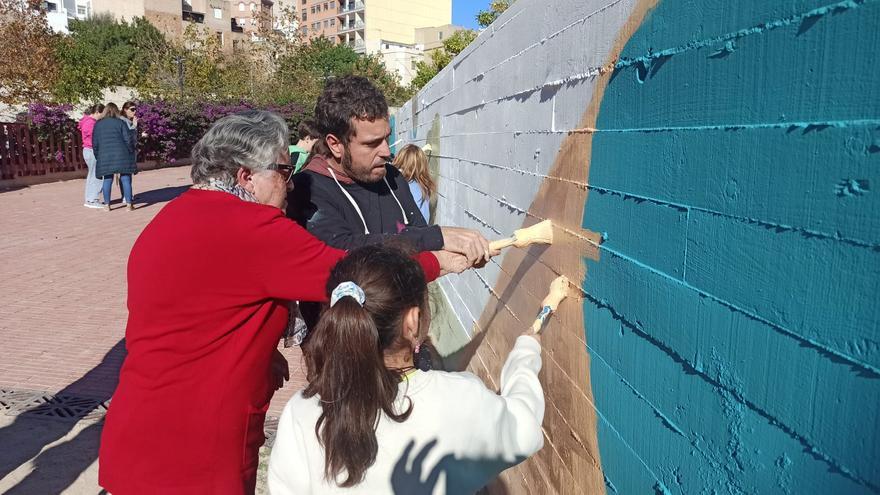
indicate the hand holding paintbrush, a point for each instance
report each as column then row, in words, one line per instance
column 558, row 291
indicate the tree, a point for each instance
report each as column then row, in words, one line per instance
column 29, row 69
column 425, row 71
column 441, row 57
column 496, row 8
column 302, row 72
column 322, row 56
column 459, row 40
column 195, row 66
column 101, row 52
column 372, row 67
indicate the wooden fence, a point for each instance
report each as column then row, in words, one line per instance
column 23, row 154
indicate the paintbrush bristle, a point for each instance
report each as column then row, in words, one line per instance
column 540, row 233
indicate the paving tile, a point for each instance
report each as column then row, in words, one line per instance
column 63, row 287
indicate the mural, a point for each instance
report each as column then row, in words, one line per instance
column 709, row 169
column 732, row 318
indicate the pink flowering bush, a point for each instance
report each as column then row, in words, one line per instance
column 48, row 122
column 168, row 130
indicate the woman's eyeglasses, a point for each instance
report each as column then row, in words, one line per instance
column 284, row 169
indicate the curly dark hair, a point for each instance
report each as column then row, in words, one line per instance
column 347, row 98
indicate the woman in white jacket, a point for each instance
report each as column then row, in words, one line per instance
column 369, row 422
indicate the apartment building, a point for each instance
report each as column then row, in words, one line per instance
column 431, row 38
column 232, row 21
column 78, row 9
column 284, row 17
column 383, row 27
column 319, row 18
column 57, row 13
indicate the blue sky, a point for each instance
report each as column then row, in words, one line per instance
column 463, row 12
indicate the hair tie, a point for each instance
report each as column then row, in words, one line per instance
column 347, row 289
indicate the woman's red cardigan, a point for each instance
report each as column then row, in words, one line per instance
column 209, row 281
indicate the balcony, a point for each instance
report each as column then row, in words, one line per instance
column 357, row 46
column 351, row 26
column 351, row 7
column 195, row 17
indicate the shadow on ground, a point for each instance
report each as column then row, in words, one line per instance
column 149, row 198
column 58, row 466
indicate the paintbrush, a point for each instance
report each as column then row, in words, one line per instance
column 558, row 292
column 540, row 233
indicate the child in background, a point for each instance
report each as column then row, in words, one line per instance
column 413, row 164
column 307, row 134
column 370, row 422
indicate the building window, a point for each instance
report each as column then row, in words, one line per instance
column 313, row 9
column 332, row 5
column 218, row 13
column 253, row 7
column 241, row 6
column 440, row 36
column 326, row 6
column 51, row 7
column 326, row 23
column 333, row 21
column 81, row 10
column 304, row 16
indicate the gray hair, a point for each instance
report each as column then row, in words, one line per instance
column 252, row 139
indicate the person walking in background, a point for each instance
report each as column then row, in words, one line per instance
column 129, row 115
column 113, row 143
column 413, row 164
column 86, row 125
column 307, row 134
column 370, row 422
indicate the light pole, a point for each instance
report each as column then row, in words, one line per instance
column 179, row 60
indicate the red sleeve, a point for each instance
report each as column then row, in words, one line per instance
column 430, row 265
column 293, row 264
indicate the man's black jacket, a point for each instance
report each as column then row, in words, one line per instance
column 318, row 204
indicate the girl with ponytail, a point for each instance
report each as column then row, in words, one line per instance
column 370, row 422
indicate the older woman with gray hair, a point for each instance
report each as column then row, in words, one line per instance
column 209, row 284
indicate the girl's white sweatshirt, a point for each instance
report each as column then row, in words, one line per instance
column 459, row 436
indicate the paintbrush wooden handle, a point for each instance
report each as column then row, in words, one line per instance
column 558, row 292
column 502, row 243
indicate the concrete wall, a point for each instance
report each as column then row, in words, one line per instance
column 711, row 169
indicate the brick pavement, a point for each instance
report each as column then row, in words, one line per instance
column 62, row 280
